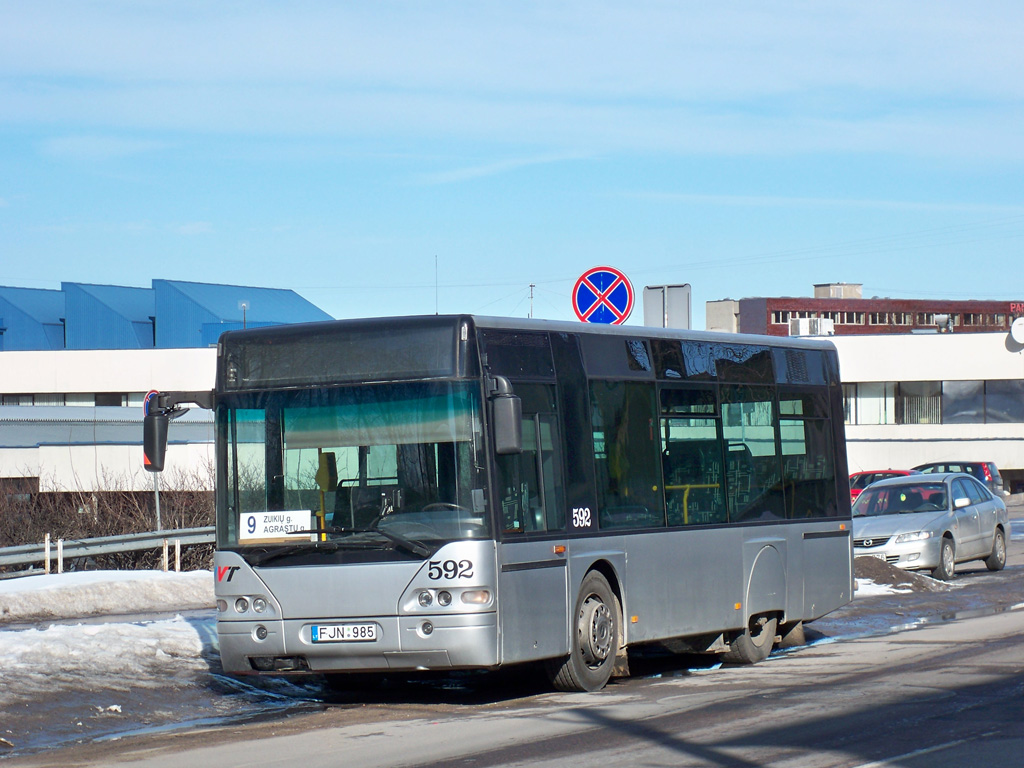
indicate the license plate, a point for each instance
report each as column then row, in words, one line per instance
column 344, row 633
column 877, row 556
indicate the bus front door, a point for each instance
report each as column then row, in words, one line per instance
column 532, row 582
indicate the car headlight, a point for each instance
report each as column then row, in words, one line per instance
column 903, row 538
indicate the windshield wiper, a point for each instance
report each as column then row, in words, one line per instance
column 409, row 545
column 292, row 549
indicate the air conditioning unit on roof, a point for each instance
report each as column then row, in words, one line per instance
column 812, row 326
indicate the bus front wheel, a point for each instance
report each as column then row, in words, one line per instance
column 595, row 639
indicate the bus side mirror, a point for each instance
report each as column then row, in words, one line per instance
column 508, row 425
column 154, row 441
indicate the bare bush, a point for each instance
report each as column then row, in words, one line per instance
column 26, row 518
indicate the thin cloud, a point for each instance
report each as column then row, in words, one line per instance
column 764, row 201
column 491, row 169
column 194, row 228
column 578, row 76
column 97, row 147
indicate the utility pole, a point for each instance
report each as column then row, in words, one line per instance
column 532, row 286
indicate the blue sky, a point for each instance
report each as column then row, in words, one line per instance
column 387, row 158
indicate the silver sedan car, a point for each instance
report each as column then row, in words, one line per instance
column 931, row 522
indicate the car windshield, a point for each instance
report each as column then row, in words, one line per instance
column 903, row 498
column 374, row 467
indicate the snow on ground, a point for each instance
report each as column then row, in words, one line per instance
column 40, row 656
column 868, row 588
column 103, row 593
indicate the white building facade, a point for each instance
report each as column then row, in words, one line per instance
column 917, row 398
column 72, row 420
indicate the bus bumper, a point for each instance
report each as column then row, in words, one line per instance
column 406, row 643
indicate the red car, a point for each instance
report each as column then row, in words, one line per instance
column 861, row 480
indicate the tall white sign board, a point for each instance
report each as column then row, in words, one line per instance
column 667, row 306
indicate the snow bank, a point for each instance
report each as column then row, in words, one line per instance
column 94, row 593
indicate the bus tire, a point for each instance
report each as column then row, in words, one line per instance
column 754, row 643
column 792, row 635
column 594, row 645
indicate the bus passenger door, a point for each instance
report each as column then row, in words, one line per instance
column 532, row 590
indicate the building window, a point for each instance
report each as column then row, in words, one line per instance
column 919, row 402
column 850, row 403
column 933, row 402
column 780, row 317
column 111, row 398
column 963, row 402
column 1004, row 401
column 49, row 399
column 872, row 402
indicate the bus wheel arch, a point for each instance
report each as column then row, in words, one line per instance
column 765, row 593
column 595, row 636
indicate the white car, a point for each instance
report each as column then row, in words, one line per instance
column 931, row 523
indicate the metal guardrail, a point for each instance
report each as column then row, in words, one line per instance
column 27, row 554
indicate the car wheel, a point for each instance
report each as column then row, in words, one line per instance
column 754, row 643
column 595, row 639
column 997, row 559
column 947, row 564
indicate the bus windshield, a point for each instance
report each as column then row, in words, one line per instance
column 384, row 466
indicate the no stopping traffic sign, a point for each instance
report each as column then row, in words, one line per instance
column 603, row 295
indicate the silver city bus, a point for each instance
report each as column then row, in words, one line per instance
column 459, row 492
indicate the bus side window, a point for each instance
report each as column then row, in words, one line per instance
column 627, row 454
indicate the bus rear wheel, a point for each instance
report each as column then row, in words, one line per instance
column 754, row 643
column 595, row 639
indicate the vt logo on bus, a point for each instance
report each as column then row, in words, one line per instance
column 226, row 571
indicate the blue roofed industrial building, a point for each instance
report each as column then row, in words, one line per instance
column 84, row 356
column 195, row 314
column 172, row 314
column 31, row 319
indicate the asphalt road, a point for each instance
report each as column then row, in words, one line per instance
column 926, row 678
column 949, row 694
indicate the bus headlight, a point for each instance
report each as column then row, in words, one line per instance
column 241, row 605
column 425, row 598
column 259, row 605
column 444, row 598
column 476, row 596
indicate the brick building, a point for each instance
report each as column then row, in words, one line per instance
column 839, row 309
